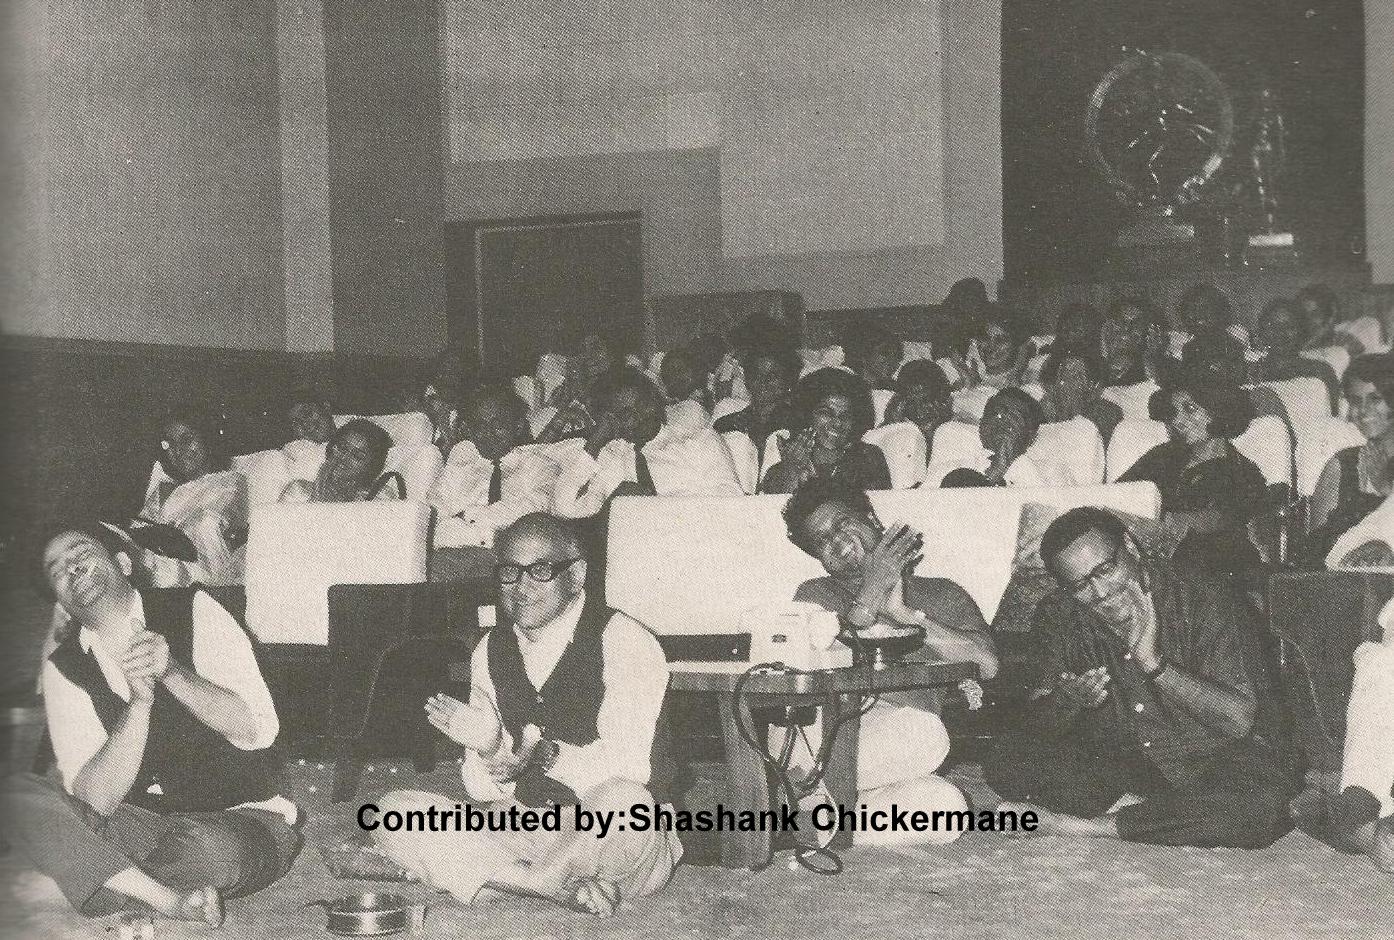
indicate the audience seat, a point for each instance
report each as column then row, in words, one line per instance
column 913, row 349
column 820, row 358
column 1131, row 439
column 550, row 373
column 1337, row 357
column 746, row 459
column 1336, row 436
column 1069, row 453
column 296, row 552
column 728, row 406
column 1034, row 389
column 1308, row 407
column 529, row 391
column 662, row 569
column 906, row 452
column 1133, row 399
column 956, row 446
column 970, row 403
column 880, row 401
column 1268, row 443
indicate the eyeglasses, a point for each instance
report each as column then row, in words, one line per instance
column 1100, row 572
column 540, row 571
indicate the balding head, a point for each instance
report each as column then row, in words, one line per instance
column 540, row 526
column 541, row 570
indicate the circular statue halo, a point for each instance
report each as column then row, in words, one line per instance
column 1158, row 127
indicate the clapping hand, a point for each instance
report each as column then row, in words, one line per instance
column 895, row 555
column 474, row 727
column 798, row 452
column 146, row 658
column 1087, row 690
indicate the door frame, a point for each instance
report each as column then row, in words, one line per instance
column 463, row 291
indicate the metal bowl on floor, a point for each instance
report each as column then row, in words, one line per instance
column 371, row 914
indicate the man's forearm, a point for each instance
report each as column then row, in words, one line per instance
column 217, row 707
column 108, row 776
column 1227, row 711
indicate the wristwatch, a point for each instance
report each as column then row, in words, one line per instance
column 544, row 756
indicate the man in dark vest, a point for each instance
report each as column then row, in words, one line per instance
column 162, row 726
column 564, row 708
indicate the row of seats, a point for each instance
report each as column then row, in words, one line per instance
column 681, row 565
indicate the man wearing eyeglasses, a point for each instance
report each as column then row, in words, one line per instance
column 564, row 701
column 1154, row 691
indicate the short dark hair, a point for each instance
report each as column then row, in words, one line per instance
column 1375, row 368
column 819, row 491
column 1324, row 297
column 109, row 540
column 1150, row 314
column 499, row 393
column 1210, row 299
column 785, row 357
column 1035, row 416
column 1093, row 364
column 375, row 436
column 822, row 383
column 1004, row 316
column 625, row 378
column 202, row 424
column 1073, row 525
column 1229, row 406
column 924, row 372
column 861, row 341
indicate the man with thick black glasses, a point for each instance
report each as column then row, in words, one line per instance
column 563, row 710
column 1156, row 691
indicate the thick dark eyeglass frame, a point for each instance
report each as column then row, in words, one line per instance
column 539, row 571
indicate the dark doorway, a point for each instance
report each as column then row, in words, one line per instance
column 516, row 288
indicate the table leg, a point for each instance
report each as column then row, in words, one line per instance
column 840, row 777
column 747, row 788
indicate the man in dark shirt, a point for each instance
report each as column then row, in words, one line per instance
column 1152, row 693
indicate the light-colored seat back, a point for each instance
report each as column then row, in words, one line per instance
column 296, row 552
column 956, row 446
column 1268, row 443
column 1133, row 399
column 728, row 406
column 745, row 457
column 692, row 566
column 1337, row 357
column 1069, row 453
column 1336, row 436
column 419, row 466
column 1308, row 407
column 970, row 403
column 1035, row 389
column 268, row 473
column 529, row 391
column 913, row 349
column 880, row 401
column 906, row 452
column 821, row 357
column 1131, row 439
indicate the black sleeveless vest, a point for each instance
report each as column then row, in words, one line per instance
column 195, row 766
column 567, row 705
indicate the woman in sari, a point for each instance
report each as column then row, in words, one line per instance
column 193, row 491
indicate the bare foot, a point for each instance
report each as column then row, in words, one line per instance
column 1050, row 823
column 205, row 905
column 597, row 896
column 1376, row 839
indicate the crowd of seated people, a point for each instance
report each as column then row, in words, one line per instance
column 1150, row 681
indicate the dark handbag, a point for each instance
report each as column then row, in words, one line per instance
column 162, row 539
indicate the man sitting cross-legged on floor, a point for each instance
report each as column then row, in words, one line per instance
column 1155, row 693
column 494, row 476
column 902, row 740
column 564, row 703
column 161, row 724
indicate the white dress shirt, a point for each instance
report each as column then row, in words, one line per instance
column 681, row 462
column 635, row 678
column 222, row 654
column 461, row 493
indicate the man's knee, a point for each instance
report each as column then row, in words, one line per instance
column 200, row 852
column 1008, row 767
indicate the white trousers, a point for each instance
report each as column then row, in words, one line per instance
column 1369, row 753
